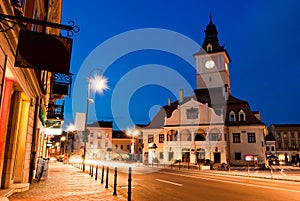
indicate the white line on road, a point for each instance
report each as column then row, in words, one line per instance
column 233, row 182
column 168, row 182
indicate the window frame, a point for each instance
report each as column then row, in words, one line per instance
column 161, row 138
column 251, row 137
column 236, row 138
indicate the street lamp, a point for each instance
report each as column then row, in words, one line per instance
column 132, row 133
column 98, row 83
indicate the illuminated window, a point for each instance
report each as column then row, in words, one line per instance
column 236, row 137
column 161, row 138
column 99, row 135
column 106, row 134
column 251, row 138
column 150, row 138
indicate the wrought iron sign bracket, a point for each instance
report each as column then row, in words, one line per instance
column 9, row 22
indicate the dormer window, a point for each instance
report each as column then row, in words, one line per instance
column 232, row 116
column 209, row 48
column 242, row 116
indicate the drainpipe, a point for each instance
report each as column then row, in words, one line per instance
column 33, row 143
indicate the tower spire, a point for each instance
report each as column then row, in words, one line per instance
column 210, row 18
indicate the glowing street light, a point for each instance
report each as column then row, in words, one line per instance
column 132, row 133
column 98, row 83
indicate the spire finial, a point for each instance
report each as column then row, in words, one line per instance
column 210, row 17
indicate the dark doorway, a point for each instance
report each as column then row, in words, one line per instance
column 217, row 157
column 185, row 156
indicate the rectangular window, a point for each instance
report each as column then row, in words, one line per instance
column 92, row 135
column 150, row 138
column 236, row 137
column 225, row 137
column 106, row 144
column 231, row 117
column 242, row 117
column 140, row 141
column 161, row 138
column 161, row 155
column 238, row 156
column 99, row 135
column 251, row 138
column 214, row 137
column 128, row 147
column 121, row 147
column 99, row 144
column 116, row 146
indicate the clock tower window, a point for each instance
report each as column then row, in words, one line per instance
column 209, row 48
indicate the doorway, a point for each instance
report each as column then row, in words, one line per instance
column 217, row 157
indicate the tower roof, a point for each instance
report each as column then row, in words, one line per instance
column 211, row 39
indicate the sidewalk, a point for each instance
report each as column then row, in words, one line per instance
column 67, row 183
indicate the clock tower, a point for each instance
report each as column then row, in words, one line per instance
column 212, row 62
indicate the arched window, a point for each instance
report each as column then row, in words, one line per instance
column 209, row 48
column 185, row 135
column 200, row 135
column 267, row 148
column 242, row 115
column 231, row 116
column 214, row 135
column 172, row 135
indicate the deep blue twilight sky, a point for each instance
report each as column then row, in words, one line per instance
column 261, row 37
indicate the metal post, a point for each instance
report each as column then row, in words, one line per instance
column 96, row 174
column 102, row 177
column 92, row 172
column 83, row 157
column 107, row 170
column 115, row 182
column 129, row 185
column 179, row 165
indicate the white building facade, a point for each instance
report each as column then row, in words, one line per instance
column 210, row 126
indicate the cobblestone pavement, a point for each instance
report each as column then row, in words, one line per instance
column 67, row 183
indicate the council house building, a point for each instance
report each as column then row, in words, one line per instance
column 210, row 125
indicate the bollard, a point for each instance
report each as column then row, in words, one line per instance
column 107, row 170
column 92, row 173
column 102, row 177
column 96, row 174
column 115, row 182
column 129, row 185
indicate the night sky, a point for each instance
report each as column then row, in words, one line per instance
column 145, row 49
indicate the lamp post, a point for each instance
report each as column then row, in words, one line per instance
column 99, row 84
column 132, row 133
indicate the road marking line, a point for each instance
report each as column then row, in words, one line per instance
column 169, row 182
column 234, row 182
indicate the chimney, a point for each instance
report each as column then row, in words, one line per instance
column 169, row 101
column 181, row 95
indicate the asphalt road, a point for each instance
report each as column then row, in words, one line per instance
column 173, row 185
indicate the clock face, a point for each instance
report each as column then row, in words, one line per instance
column 209, row 64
